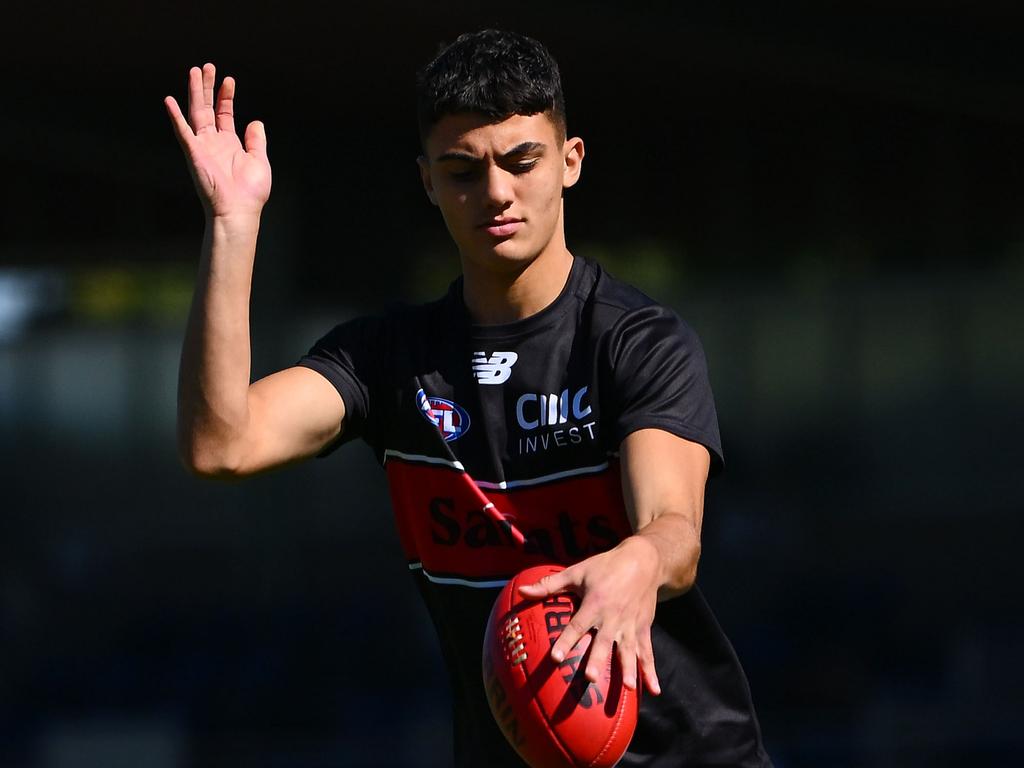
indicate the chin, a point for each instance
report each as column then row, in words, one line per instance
column 507, row 255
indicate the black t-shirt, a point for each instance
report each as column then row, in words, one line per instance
column 533, row 413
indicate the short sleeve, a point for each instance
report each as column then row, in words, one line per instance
column 349, row 357
column 660, row 380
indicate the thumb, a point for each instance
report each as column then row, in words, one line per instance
column 547, row 585
column 256, row 138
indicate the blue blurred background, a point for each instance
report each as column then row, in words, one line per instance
column 834, row 198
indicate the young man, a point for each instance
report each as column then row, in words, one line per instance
column 579, row 406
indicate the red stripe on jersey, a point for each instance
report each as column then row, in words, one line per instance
column 441, row 524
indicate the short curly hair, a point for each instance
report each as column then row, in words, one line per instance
column 493, row 73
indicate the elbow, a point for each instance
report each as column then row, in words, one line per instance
column 202, row 459
column 209, row 469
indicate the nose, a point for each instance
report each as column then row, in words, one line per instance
column 498, row 187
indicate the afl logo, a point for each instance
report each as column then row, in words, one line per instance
column 450, row 418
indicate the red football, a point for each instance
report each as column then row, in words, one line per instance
column 550, row 713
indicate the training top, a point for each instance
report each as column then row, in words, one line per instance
column 533, row 412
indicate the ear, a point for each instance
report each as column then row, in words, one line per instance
column 572, row 153
column 428, row 183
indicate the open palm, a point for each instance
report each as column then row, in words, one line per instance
column 230, row 178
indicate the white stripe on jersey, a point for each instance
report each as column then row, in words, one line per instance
column 416, row 458
column 504, row 485
column 458, row 582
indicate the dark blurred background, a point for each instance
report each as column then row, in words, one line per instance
column 832, row 194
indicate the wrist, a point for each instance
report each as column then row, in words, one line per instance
column 646, row 553
column 234, row 226
column 673, row 553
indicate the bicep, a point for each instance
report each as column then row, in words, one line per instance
column 293, row 414
column 663, row 473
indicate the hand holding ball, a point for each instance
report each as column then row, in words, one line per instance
column 549, row 712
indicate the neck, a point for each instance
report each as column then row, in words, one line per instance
column 499, row 296
column 495, row 298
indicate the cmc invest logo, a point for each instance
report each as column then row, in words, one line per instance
column 450, row 418
column 542, row 410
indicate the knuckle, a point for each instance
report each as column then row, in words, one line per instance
column 577, row 625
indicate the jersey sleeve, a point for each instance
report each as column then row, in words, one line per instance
column 349, row 357
column 660, row 380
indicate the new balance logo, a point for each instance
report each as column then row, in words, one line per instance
column 495, row 369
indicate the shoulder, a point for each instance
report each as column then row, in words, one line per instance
column 601, row 288
column 622, row 310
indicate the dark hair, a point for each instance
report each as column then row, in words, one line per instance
column 493, row 73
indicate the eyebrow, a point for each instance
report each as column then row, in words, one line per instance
column 519, row 149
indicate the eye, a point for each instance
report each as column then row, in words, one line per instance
column 466, row 174
column 523, row 166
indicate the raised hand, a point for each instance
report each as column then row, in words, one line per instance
column 231, row 179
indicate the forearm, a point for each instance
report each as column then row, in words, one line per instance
column 663, row 479
column 214, row 376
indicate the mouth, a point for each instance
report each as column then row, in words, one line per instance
column 502, row 226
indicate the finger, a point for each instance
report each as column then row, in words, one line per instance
column 201, row 98
column 549, row 585
column 581, row 648
column 579, row 625
column 600, row 651
column 626, row 651
column 256, row 139
column 199, row 115
column 181, row 128
column 225, row 111
column 645, row 655
column 209, row 78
